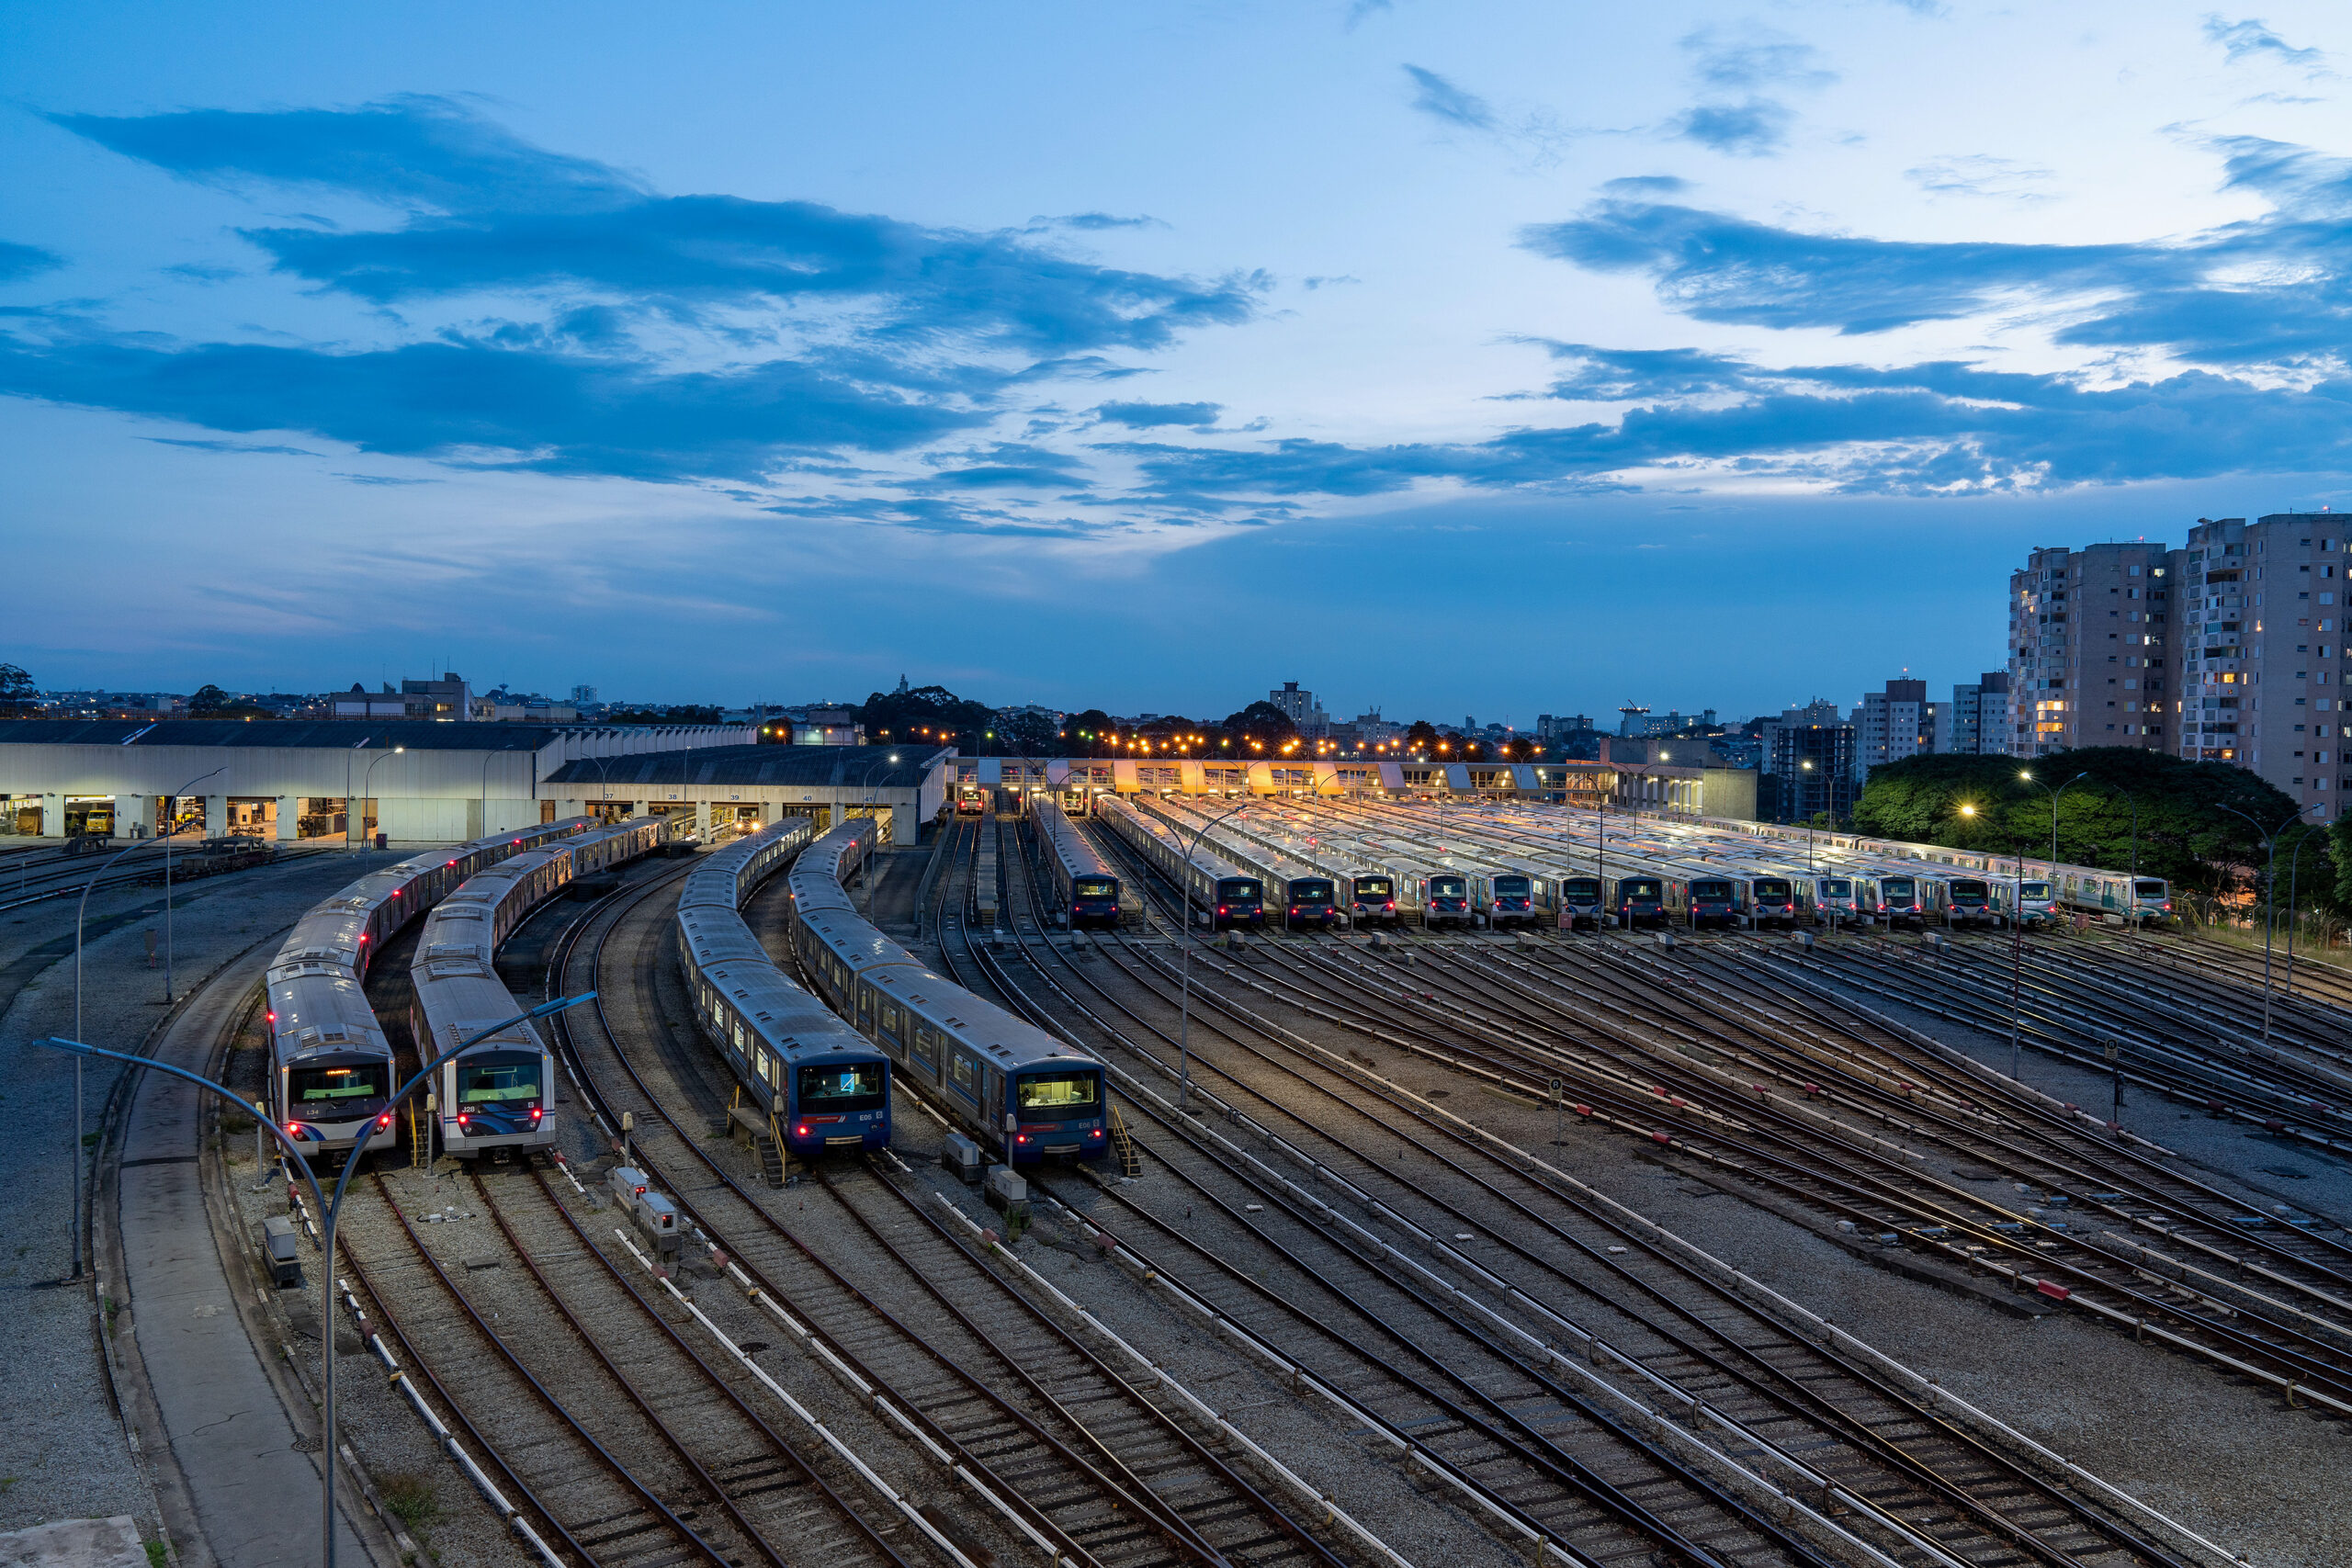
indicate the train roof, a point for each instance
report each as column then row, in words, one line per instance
column 792, row 1022
column 854, row 940
column 1002, row 1038
column 1213, row 866
column 320, row 1015
column 1078, row 856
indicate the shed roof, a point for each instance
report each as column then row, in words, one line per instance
column 803, row 767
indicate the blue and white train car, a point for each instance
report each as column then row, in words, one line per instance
column 1013, row 1087
column 819, row 1084
column 331, row 1066
column 1219, row 892
column 498, row 1097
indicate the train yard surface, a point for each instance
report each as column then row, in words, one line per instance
column 1413, row 1244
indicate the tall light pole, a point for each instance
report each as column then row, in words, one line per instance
column 2027, row 774
column 1184, row 1007
column 367, row 779
column 2270, row 897
column 2294, row 865
column 328, row 1209
column 167, row 901
column 74, row 1228
column 485, row 787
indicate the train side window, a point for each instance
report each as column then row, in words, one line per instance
column 768, row 1069
column 927, row 1047
column 967, row 1077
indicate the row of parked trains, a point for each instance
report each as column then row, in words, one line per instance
column 331, row 1064
column 817, row 1060
column 1315, row 866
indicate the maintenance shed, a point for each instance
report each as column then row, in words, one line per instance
column 288, row 778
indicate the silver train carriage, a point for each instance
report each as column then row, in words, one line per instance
column 331, row 1066
column 1086, row 887
column 1013, row 1087
column 1220, row 893
column 497, row 1097
column 818, row 1084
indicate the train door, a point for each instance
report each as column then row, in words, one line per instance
column 992, row 1107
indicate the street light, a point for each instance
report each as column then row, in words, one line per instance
column 1184, row 1007
column 74, row 1228
column 329, row 1209
column 2027, row 775
column 2270, row 897
column 368, row 783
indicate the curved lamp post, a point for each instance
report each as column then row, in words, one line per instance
column 329, row 1208
column 368, row 785
column 74, row 1228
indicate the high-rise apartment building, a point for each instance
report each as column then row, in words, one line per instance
column 1976, row 720
column 2088, row 649
column 2230, row 649
column 1891, row 725
column 1299, row 707
column 2261, row 619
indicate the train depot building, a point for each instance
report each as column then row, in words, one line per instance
column 418, row 780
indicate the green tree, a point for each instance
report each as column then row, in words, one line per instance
column 18, row 698
column 1422, row 738
column 928, row 715
column 1263, row 723
column 1090, row 733
column 1982, row 804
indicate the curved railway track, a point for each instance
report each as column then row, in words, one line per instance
column 1042, row 1431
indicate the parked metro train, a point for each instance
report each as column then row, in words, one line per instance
column 1293, row 890
column 1086, row 887
column 818, row 1084
column 1011, row 1086
column 330, row 1067
column 498, row 1097
column 1220, row 894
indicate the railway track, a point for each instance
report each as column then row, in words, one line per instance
column 2009, row 1490
column 573, row 1386
column 1067, row 1455
column 1719, row 1374
column 1636, row 1073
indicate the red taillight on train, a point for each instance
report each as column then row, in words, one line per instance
column 465, row 1119
column 801, row 1134
column 535, row 1114
column 384, row 1121
column 294, row 1129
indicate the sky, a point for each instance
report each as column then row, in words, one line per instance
column 1473, row 360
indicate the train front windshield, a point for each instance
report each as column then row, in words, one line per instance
column 1772, row 888
column 2033, row 890
column 1312, row 893
column 503, row 1078
column 1641, row 890
column 1065, row 1096
column 1711, row 891
column 1899, row 889
column 1582, row 889
column 1096, row 887
column 1970, row 889
column 2149, row 888
column 1837, row 888
column 841, row 1086
column 1514, row 888
column 1445, row 887
column 1241, row 890
column 335, row 1093
column 1374, row 888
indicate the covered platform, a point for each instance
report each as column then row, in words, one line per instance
column 724, row 786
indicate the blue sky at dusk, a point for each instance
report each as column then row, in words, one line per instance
column 1474, row 358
